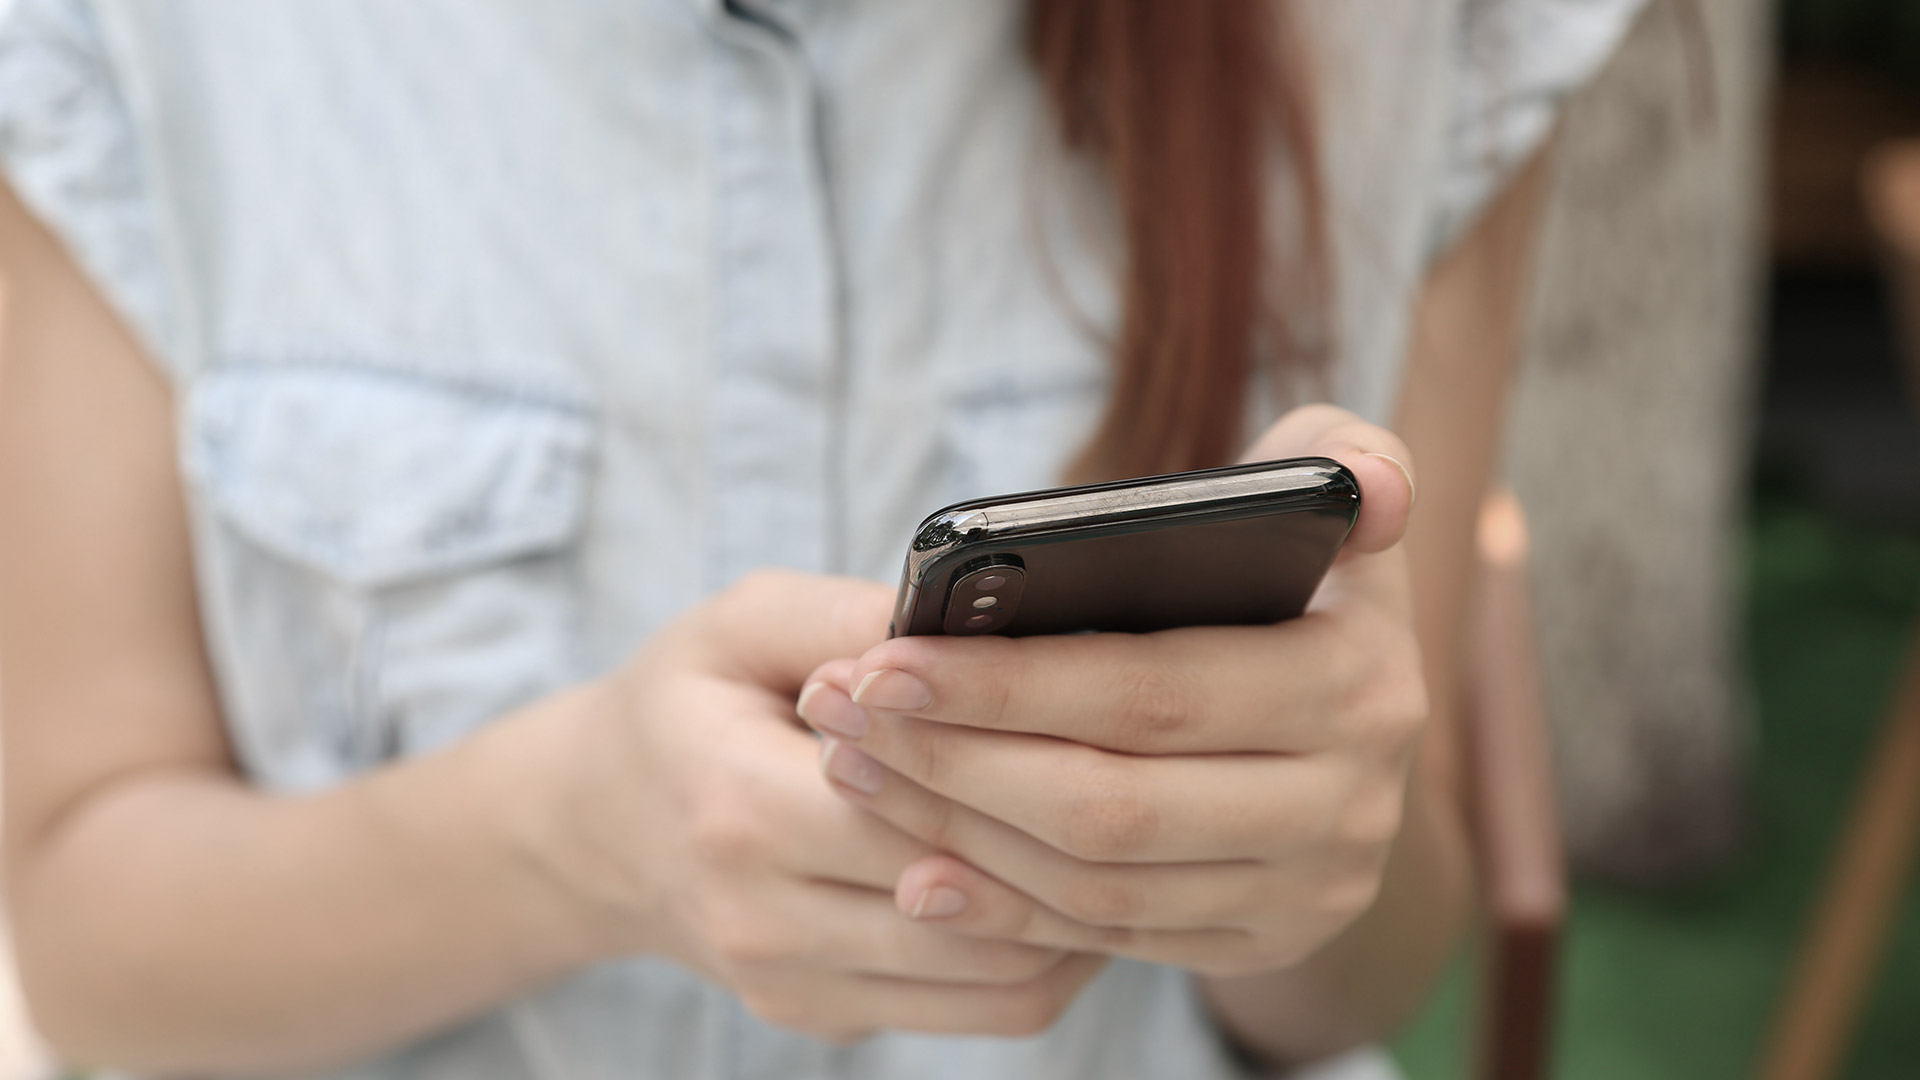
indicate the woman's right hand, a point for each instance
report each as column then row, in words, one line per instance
column 690, row 821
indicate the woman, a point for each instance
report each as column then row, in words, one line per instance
column 401, row 401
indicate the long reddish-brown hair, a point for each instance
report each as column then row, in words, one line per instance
column 1189, row 106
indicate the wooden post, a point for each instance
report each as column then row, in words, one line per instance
column 1876, row 848
column 1849, row 930
column 1515, row 818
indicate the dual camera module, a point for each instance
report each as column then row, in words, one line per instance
column 985, row 597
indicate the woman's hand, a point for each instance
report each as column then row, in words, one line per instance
column 1223, row 799
column 695, row 825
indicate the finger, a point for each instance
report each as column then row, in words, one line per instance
column 861, row 930
column 837, row 672
column 1091, row 895
column 800, row 998
column 1197, row 690
column 834, row 673
column 1097, row 805
column 774, row 627
column 995, row 910
column 823, row 836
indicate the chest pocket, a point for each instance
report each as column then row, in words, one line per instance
column 387, row 560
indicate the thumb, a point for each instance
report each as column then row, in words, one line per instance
column 774, row 627
column 1372, row 568
column 1376, row 457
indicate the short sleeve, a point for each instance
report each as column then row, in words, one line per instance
column 69, row 149
column 1516, row 62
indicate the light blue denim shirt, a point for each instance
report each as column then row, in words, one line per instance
column 503, row 332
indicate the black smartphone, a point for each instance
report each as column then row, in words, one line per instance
column 1217, row 547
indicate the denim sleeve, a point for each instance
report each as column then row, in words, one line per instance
column 1516, row 62
column 68, row 149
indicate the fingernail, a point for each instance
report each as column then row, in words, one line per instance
column 1413, row 492
column 848, row 766
column 806, row 695
column 831, row 713
column 939, row 902
column 890, row 688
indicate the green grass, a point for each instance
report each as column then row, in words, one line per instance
column 1683, row 984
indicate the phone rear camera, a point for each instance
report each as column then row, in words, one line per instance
column 982, row 600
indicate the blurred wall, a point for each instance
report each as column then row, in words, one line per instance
column 1629, row 435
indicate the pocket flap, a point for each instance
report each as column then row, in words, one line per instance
column 377, row 477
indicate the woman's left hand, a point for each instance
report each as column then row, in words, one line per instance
column 1218, row 798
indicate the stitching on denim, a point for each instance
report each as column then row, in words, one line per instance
column 563, row 437
column 402, row 368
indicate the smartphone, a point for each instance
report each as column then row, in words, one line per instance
column 1231, row 546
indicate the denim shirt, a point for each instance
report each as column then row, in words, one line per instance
column 501, row 333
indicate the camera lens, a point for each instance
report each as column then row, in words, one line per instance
column 982, row 598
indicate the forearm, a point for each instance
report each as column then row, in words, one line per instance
column 181, row 921
column 1369, row 980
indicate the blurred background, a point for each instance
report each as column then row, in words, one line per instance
column 1716, row 442
column 1715, row 439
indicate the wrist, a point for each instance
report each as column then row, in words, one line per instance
column 530, row 779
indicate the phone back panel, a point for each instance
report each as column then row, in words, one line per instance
column 1193, row 552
